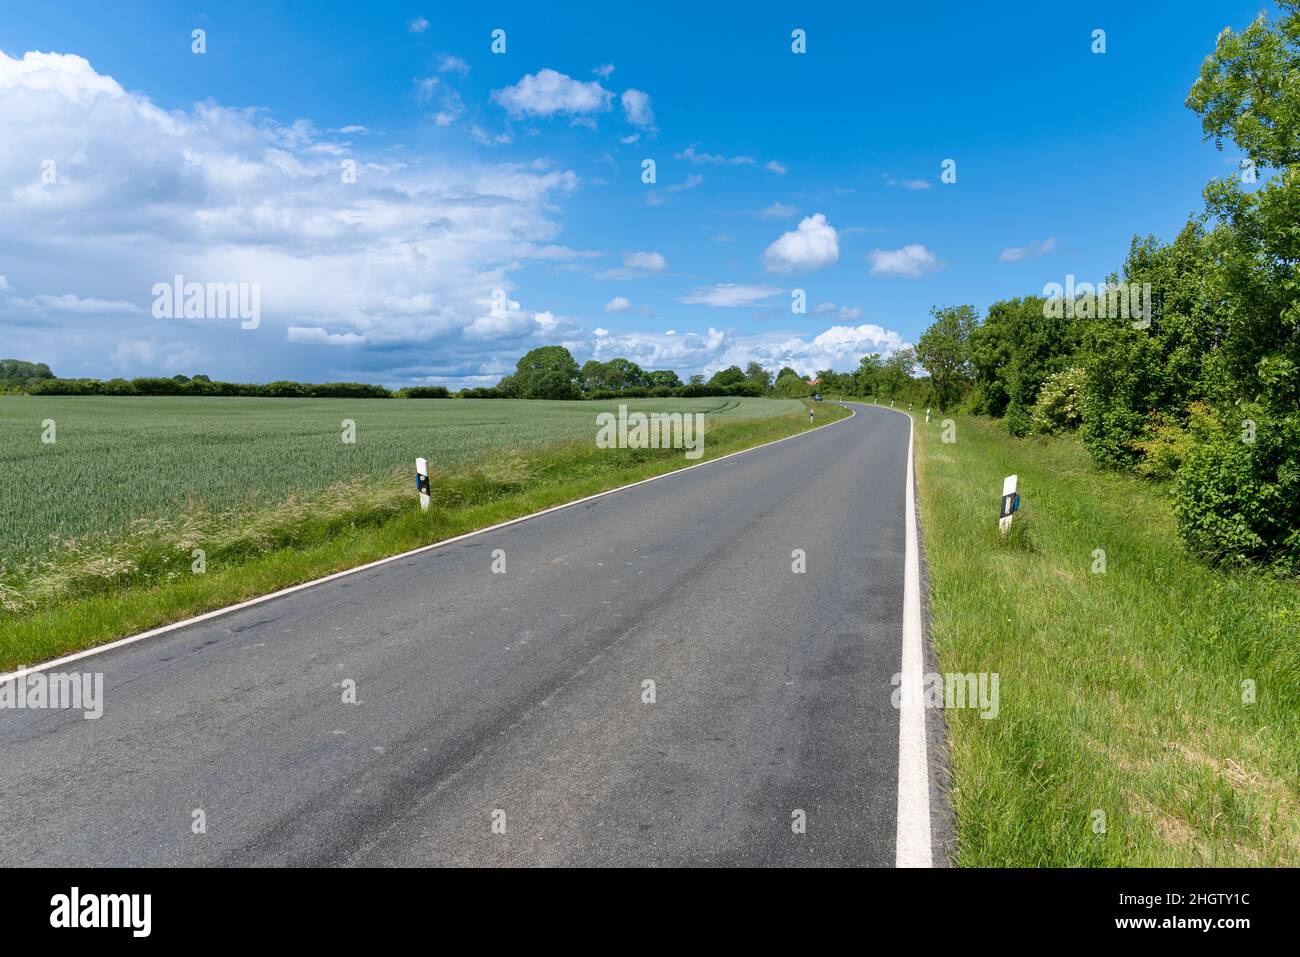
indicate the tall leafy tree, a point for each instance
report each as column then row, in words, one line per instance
column 944, row 351
column 547, row 372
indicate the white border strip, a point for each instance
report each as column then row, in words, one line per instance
column 206, row 616
column 912, row 846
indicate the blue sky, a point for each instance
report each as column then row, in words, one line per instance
column 499, row 203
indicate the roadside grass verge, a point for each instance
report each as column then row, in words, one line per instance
column 99, row 588
column 1121, row 692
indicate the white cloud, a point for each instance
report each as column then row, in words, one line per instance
column 651, row 261
column 843, row 313
column 618, row 304
column 604, row 70
column 318, row 336
column 777, row 211
column 838, row 347
column 418, row 25
column 548, row 92
column 399, row 262
column 636, row 265
column 1013, row 254
column 912, row 184
column 451, row 107
column 70, row 303
column 910, row 262
column 729, row 294
column 692, row 180
column 490, row 139
column 774, row 167
column 814, row 245
column 712, row 159
column 452, row 64
column 636, row 106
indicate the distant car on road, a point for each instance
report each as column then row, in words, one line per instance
column 817, row 396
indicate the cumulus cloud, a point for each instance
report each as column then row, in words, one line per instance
column 838, row 347
column 636, row 264
column 548, row 93
column 772, row 166
column 418, row 25
column 636, row 106
column 813, row 245
column 911, row 262
column 729, row 294
column 777, row 211
column 1013, row 254
column 397, row 262
column 618, row 304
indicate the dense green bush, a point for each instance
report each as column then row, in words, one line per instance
column 1238, row 500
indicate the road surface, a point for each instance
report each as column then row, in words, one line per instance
column 519, row 699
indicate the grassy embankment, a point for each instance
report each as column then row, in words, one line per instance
column 97, row 587
column 1123, row 692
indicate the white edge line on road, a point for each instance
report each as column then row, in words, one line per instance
column 216, row 613
column 912, row 846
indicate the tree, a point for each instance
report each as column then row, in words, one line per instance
column 1247, row 89
column 24, row 371
column 592, row 376
column 547, row 372
column 839, row 383
column 944, row 351
column 896, row 375
column 866, row 378
column 791, row 385
column 755, row 372
column 732, row 375
column 1020, row 343
column 663, row 378
column 620, row 374
column 696, row 379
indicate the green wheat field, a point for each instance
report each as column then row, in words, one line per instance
column 118, row 459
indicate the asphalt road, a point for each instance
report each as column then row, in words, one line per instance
column 522, row 693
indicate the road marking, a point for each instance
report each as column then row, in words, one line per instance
column 216, row 613
column 912, row 845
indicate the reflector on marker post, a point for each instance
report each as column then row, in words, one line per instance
column 422, row 481
column 1010, row 503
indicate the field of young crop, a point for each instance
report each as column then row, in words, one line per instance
column 117, row 459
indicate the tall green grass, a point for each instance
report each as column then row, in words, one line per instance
column 1121, row 692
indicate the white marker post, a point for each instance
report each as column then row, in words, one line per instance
column 1010, row 502
column 422, row 482
column 927, row 416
